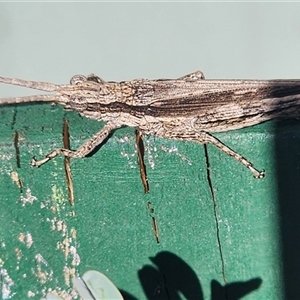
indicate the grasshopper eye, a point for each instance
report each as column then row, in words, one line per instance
column 77, row 79
column 95, row 78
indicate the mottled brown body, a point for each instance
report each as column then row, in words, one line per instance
column 188, row 108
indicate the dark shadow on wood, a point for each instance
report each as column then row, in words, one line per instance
column 168, row 276
column 234, row 291
column 171, row 278
column 127, row 296
column 287, row 158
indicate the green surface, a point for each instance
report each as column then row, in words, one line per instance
column 109, row 228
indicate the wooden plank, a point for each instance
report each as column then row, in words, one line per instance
column 47, row 242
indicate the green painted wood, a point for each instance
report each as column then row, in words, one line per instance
column 46, row 242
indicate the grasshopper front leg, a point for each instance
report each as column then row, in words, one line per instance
column 83, row 150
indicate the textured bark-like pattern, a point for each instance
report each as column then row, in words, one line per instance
column 189, row 108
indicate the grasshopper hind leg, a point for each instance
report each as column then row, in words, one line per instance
column 205, row 138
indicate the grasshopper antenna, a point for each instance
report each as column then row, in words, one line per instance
column 37, row 85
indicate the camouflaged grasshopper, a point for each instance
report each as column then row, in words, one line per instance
column 189, row 108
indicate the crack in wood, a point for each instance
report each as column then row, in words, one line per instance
column 17, row 149
column 66, row 142
column 213, row 197
column 141, row 151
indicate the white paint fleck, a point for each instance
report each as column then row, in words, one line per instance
column 42, row 275
column 6, row 156
column 21, row 237
column 60, row 225
column 151, row 153
column 174, row 150
column 18, row 253
column 29, row 240
column 69, row 273
column 30, row 294
column 75, row 256
column 124, row 139
column 62, row 294
column 7, row 283
column 73, row 232
column 39, row 258
column 29, row 198
column 26, row 239
column 131, row 158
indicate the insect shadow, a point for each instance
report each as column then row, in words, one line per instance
column 170, row 278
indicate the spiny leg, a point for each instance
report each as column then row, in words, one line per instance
column 207, row 138
column 204, row 138
column 83, row 150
